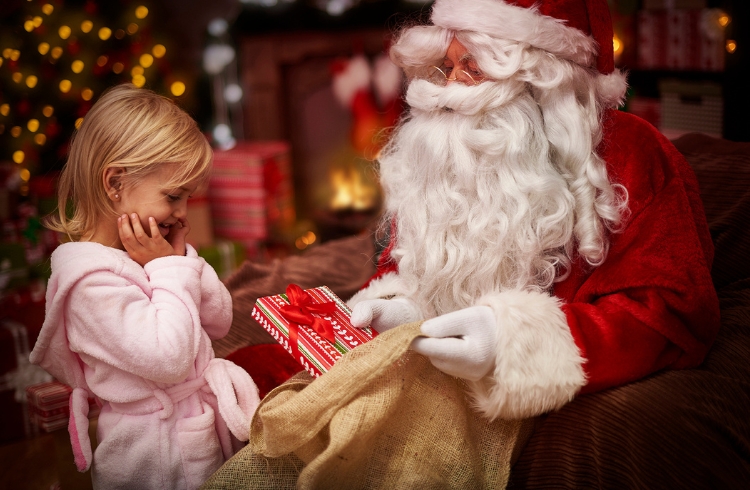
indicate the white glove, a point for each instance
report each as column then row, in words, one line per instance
column 384, row 314
column 461, row 343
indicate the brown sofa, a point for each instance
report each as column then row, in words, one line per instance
column 675, row 429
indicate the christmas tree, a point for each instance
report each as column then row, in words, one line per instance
column 56, row 58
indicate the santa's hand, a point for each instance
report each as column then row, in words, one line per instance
column 461, row 343
column 384, row 314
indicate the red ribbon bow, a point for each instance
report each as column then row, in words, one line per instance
column 300, row 311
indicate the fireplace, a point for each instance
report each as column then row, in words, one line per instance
column 288, row 96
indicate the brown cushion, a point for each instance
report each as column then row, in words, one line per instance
column 678, row 429
column 723, row 171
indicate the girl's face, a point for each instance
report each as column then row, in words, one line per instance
column 152, row 197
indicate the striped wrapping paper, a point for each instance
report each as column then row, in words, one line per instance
column 316, row 354
column 48, row 405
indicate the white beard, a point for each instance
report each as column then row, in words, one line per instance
column 479, row 206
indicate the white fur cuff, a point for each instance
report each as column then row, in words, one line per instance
column 538, row 367
column 386, row 286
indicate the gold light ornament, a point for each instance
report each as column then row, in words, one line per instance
column 159, row 50
column 64, row 32
column 146, row 60
column 177, row 88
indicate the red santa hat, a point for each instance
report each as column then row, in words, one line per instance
column 577, row 30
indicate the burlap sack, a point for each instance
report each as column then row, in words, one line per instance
column 382, row 418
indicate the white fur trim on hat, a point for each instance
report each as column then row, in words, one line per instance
column 538, row 367
column 501, row 20
column 386, row 286
column 611, row 88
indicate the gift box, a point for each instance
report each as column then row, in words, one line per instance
column 680, row 40
column 201, row 228
column 251, row 192
column 312, row 325
column 48, row 405
column 225, row 256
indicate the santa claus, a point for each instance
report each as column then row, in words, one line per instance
column 552, row 244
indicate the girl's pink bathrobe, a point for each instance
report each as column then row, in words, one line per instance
column 139, row 338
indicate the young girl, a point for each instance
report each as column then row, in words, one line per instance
column 131, row 308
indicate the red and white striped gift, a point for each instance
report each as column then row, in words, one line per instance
column 316, row 354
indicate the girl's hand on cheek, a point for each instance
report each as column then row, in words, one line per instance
column 177, row 234
column 141, row 247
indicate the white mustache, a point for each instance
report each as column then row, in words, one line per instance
column 463, row 99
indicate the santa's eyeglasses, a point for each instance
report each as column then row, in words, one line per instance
column 443, row 75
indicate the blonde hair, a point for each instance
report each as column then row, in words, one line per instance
column 133, row 129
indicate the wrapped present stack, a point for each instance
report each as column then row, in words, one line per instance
column 251, row 194
column 312, row 325
column 680, row 35
column 48, row 405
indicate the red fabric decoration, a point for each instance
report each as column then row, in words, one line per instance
column 268, row 364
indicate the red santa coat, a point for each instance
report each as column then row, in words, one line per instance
column 651, row 305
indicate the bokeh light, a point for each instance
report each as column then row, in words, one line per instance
column 159, row 50
column 64, row 32
column 146, row 60
column 177, row 88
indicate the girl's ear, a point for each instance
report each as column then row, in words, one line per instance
column 113, row 178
